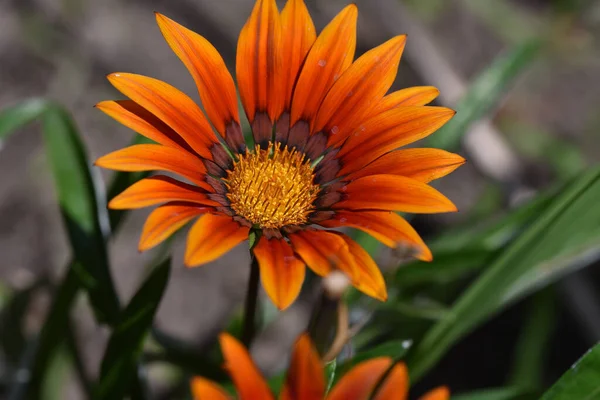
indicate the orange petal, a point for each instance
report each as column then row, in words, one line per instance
column 327, row 59
column 392, row 192
column 297, row 35
column 388, row 131
column 211, row 237
column 281, row 273
column 387, row 227
column 360, row 381
column 412, row 96
column 322, row 251
column 359, row 89
column 136, row 117
column 423, row 165
column 258, row 63
column 395, row 386
column 204, row 389
column 440, row 393
column 247, row 379
column 156, row 190
column 150, row 157
column 305, row 380
column 166, row 220
column 172, row 106
column 366, row 276
column 215, row 84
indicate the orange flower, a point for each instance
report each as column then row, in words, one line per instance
column 325, row 149
column 305, row 379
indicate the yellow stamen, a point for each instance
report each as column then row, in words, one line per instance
column 272, row 188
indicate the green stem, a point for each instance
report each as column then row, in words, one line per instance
column 251, row 303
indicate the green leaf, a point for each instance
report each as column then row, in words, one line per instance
column 530, row 351
column 330, row 373
column 82, row 216
column 119, row 365
column 581, row 382
column 484, row 94
column 564, row 237
column 12, row 118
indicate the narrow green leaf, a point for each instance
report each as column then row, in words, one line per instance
column 330, row 373
column 530, row 351
column 119, row 365
column 14, row 117
column 77, row 199
column 581, row 382
column 567, row 233
column 484, row 94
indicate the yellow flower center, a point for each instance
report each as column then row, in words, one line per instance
column 272, row 188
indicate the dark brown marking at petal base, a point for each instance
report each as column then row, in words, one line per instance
column 328, row 168
column 226, row 210
column 221, row 157
column 235, row 138
column 328, row 199
column 262, row 130
column 316, row 146
column 291, row 229
column 213, row 169
column 242, row 221
column 271, row 233
column 217, row 184
column 282, row 128
column 298, row 135
column 220, row 198
column 319, row 216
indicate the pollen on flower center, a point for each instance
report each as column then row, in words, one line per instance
column 272, row 188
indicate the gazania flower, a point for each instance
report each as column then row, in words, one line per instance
column 305, row 378
column 324, row 152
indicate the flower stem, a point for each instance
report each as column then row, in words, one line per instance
column 251, row 303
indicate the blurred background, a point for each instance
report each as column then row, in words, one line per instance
column 529, row 69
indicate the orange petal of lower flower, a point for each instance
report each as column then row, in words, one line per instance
column 281, row 273
column 412, row 96
column 166, row 220
column 149, row 157
column 392, row 192
column 304, row 379
column 297, row 35
column 258, row 63
column 395, row 386
column 365, row 275
column 204, row 389
column 387, row 227
column 156, row 190
column 211, row 237
column 360, row 381
column 388, row 131
column 358, row 90
column 246, row 377
column 136, row 117
column 423, row 165
column 215, row 84
column 172, row 106
column 327, row 59
column 440, row 393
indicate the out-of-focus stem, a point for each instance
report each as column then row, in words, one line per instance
column 251, row 303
